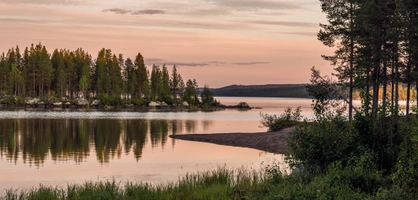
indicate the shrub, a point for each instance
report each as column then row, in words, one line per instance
column 287, row 119
column 9, row 100
column 314, row 146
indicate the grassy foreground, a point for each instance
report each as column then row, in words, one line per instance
column 218, row 184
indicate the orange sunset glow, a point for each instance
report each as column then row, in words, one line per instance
column 218, row 42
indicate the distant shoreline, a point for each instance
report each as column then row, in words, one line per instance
column 270, row 90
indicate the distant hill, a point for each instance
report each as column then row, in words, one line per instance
column 271, row 90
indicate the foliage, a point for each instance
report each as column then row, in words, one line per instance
column 313, row 146
column 105, row 100
column 190, row 93
column 207, row 99
column 326, row 98
column 9, row 100
column 285, row 120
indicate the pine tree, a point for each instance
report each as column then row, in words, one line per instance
column 340, row 32
column 156, row 83
column 143, row 77
column 165, row 86
column 60, row 78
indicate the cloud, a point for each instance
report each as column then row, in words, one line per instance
column 117, row 11
column 148, row 12
column 250, row 63
column 217, row 63
column 158, row 61
column 44, row 2
column 138, row 12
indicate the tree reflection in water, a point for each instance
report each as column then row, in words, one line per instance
column 77, row 139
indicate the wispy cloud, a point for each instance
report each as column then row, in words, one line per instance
column 158, row 61
column 117, row 11
column 148, row 12
column 137, row 12
column 44, row 2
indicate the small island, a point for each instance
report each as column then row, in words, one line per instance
column 73, row 79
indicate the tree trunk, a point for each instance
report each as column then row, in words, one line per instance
column 350, row 110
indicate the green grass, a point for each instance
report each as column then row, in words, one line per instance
column 218, row 184
column 221, row 183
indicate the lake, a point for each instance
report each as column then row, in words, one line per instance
column 61, row 147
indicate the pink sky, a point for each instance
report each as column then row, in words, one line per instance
column 218, row 42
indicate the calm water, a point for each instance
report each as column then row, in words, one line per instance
column 57, row 147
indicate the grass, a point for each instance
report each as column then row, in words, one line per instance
column 217, row 184
column 221, row 183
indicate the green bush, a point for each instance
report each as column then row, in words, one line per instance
column 313, row 146
column 9, row 100
column 285, row 120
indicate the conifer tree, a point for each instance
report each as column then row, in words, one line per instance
column 142, row 76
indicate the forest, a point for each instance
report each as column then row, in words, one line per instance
column 110, row 78
column 372, row 151
column 376, row 48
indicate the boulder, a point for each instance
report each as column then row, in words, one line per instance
column 81, row 102
column 57, row 104
column 33, row 101
column 153, row 104
column 185, row 104
column 243, row 105
column 96, row 102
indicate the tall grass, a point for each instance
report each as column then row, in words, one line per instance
column 218, row 184
column 221, row 183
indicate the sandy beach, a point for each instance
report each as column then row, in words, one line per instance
column 273, row 142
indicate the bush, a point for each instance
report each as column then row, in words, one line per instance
column 314, row 146
column 9, row 100
column 287, row 119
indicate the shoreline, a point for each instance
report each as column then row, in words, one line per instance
column 272, row 142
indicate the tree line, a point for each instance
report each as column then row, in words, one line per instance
column 376, row 44
column 109, row 77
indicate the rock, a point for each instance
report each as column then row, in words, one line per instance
column 96, row 102
column 33, row 101
column 185, row 104
column 81, row 102
column 57, row 104
column 243, row 105
column 153, row 104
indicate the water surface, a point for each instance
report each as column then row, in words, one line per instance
column 60, row 147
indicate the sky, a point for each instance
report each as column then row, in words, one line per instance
column 217, row 42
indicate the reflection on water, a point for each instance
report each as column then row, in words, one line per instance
column 56, row 148
column 71, row 139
